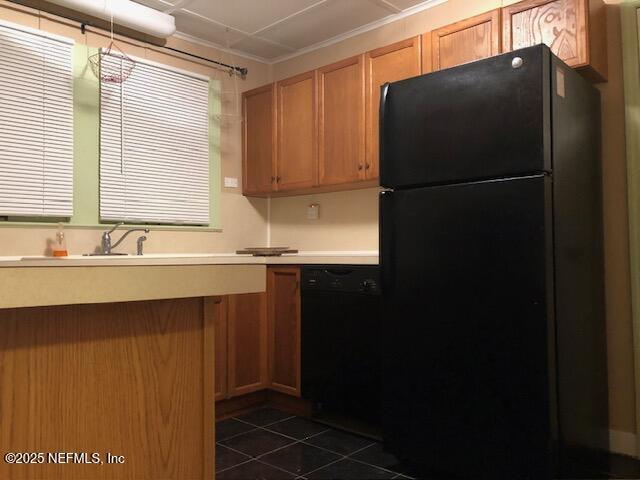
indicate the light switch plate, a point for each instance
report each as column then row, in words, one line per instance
column 230, row 182
column 313, row 211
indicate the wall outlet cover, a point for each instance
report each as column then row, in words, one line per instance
column 230, row 182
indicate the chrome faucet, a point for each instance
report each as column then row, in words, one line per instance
column 107, row 247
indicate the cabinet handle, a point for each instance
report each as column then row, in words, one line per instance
column 277, row 179
column 359, row 167
column 366, row 167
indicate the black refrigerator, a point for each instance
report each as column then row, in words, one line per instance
column 494, row 353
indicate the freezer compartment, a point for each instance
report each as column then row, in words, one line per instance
column 481, row 120
column 468, row 328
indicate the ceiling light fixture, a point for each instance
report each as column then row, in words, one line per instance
column 129, row 14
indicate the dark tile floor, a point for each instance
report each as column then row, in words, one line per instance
column 268, row 444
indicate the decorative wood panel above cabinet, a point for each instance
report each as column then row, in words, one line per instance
column 283, row 287
column 341, row 121
column 387, row 64
column 297, row 132
column 466, row 41
column 575, row 30
column 259, row 140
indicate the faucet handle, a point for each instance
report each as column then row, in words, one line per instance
column 115, row 226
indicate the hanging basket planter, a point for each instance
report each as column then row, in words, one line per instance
column 111, row 65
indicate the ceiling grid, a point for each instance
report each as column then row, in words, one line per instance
column 274, row 30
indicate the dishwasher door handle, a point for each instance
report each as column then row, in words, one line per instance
column 338, row 272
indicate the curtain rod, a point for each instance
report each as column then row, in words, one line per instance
column 242, row 71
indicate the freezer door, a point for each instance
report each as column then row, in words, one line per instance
column 481, row 120
column 468, row 345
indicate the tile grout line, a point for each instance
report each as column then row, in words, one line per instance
column 260, row 458
column 266, row 424
column 234, row 466
column 371, row 464
column 236, row 435
column 276, row 450
column 337, row 453
column 237, row 451
column 324, row 466
column 297, row 439
column 295, row 475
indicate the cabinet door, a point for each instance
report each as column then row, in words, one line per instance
column 466, row 41
column 387, row 64
column 297, row 155
column 247, row 344
column 259, row 136
column 341, row 121
column 575, row 30
column 220, row 332
column 283, row 288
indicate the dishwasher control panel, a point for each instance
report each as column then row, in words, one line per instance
column 363, row 279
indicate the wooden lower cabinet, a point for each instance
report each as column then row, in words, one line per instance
column 246, row 343
column 283, row 289
column 220, row 328
column 258, row 338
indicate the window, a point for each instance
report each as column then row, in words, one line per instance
column 36, row 124
column 154, row 146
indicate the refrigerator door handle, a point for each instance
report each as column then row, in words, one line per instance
column 386, row 240
column 383, row 102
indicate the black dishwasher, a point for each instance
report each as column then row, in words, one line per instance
column 341, row 340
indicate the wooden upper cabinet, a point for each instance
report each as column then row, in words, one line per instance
column 258, row 143
column 466, row 41
column 341, row 121
column 297, row 132
column 387, row 64
column 247, row 343
column 575, row 30
column 283, row 288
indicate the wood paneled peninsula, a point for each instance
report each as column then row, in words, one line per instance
column 108, row 366
column 111, row 360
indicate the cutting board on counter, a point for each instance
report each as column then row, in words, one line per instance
column 265, row 251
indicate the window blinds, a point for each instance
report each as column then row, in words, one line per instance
column 154, row 146
column 36, row 123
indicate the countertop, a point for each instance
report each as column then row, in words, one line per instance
column 43, row 281
column 302, row 258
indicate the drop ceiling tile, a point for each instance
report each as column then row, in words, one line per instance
column 324, row 21
column 255, row 46
column 249, row 15
column 404, row 4
column 204, row 30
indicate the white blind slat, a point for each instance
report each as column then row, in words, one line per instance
column 36, row 124
column 154, row 147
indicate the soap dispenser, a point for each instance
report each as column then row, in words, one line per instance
column 59, row 247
